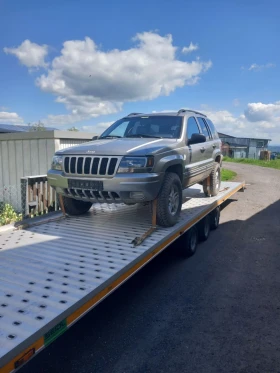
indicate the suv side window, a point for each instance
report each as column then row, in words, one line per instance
column 192, row 127
column 212, row 128
column 204, row 128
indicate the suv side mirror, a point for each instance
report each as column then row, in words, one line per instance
column 197, row 138
column 94, row 138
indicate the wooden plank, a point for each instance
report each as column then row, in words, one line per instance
column 44, row 197
column 48, row 195
column 35, row 198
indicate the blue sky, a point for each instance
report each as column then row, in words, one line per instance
column 230, row 71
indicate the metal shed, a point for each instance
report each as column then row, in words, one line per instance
column 28, row 154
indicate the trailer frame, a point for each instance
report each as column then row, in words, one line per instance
column 39, row 254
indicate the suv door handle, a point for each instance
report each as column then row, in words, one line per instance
column 214, row 146
column 202, row 149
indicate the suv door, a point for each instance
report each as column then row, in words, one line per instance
column 195, row 163
column 209, row 146
column 216, row 141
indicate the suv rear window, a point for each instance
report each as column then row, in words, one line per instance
column 212, row 128
column 204, row 128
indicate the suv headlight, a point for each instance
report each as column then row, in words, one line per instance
column 57, row 162
column 136, row 164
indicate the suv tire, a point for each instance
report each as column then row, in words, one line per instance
column 169, row 200
column 75, row 207
column 215, row 182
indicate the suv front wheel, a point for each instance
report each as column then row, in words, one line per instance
column 169, row 200
column 75, row 207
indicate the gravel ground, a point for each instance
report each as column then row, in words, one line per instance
column 218, row 311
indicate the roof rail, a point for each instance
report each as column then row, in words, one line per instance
column 192, row 111
column 131, row 114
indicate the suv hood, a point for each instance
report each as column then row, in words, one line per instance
column 122, row 146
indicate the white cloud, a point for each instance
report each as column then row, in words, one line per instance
column 256, row 112
column 10, row 118
column 91, row 82
column 97, row 128
column 259, row 120
column 30, row 54
column 256, row 67
column 192, row 47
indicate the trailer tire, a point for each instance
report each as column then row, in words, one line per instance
column 75, row 207
column 215, row 218
column 204, row 228
column 187, row 243
column 169, row 202
column 215, row 182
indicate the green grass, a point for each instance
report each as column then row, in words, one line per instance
column 256, row 162
column 227, row 174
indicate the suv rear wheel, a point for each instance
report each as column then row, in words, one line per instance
column 215, row 182
column 75, row 207
column 169, row 200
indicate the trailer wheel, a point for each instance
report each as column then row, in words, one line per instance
column 75, row 207
column 214, row 183
column 187, row 243
column 169, row 200
column 204, row 228
column 215, row 218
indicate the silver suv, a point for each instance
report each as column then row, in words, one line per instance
column 140, row 158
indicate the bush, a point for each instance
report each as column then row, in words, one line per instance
column 8, row 214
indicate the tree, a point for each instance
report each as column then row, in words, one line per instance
column 39, row 126
column 74, row 129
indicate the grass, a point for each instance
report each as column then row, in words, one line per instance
column 227, row 175
column 256, row 162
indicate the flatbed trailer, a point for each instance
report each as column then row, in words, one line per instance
column 52, row 274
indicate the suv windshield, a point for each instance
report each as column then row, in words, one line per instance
column 146, row 126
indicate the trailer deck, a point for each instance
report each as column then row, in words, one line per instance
column 52, row 274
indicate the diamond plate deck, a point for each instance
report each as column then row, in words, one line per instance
column 48, row 271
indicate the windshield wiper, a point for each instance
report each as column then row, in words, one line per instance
column 110, row 137
column 144, row 135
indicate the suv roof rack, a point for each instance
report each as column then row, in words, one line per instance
column 192, row 111
column 134, row 114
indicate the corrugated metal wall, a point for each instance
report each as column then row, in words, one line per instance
column 21, row 156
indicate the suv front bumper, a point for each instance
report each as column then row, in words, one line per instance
column 127, row 188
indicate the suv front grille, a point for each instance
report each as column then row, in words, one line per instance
column 96, row 166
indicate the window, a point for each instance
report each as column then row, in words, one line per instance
column 192, row 127
column 120, row 130
column 164, row 126
column 260, row 144
column 203, row 127
column 212, row 128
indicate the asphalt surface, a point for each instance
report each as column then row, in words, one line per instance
column 218, row 311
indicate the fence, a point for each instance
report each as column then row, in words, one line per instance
column 30, row 153
column 37, row 196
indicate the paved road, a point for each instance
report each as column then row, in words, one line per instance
column 218, row 311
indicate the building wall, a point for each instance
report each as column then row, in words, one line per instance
column 29, row 154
